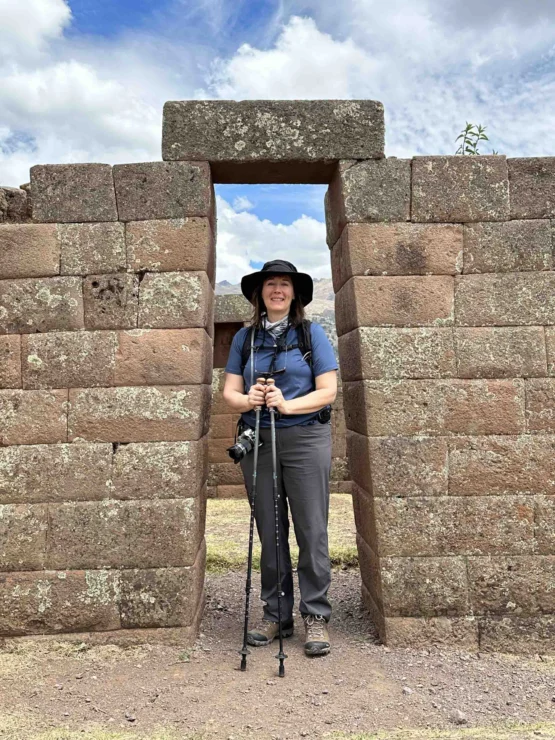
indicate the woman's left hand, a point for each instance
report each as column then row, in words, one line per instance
column 275, row 399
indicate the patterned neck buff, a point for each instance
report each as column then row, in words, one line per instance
column 275, row 328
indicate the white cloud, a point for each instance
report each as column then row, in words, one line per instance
column 243, row 237
column 242, row 203
column 29, row 24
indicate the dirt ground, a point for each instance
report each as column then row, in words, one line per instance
column 58, row 691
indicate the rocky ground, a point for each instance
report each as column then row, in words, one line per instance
column 63, row 692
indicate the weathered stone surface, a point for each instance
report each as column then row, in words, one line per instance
column 338, row 433
column 454, row 525
column 68, row 359
column 269, row 140
column 221, row 426
column 434, row 407
column 159, row 470
column 225, row 474
column 395, row 301
column 339, row 469
column 128, row 534
column 10, row 361
column 365, row 517
column 518, row 585
column 174, row 300
column 397, row 249
column 550, row 348
column 507, row 247
column 217, row 450
column 502, row 300
column 370, row 571
column 161, row 190
column 139, row 414
column 22, row 537
column 459, row 189
column 424, row 587
column 91, row 248
column 232, row 309
column 532, row 187
column 33, row 417
column 73, row 193
column 545, row 533
column 540, row 405
column 235, row 491
column 42, row 473
column 523, row 464
column 421, row 632
column 168, row 245
column 28, row 250
column 399, row 466
column 15, row 206
column 163, row 356
column 162, row 597
column 111, row 301
column 375, row 190
column 40, row 304
column 525, row 635
column 501, row 352
column 370, row 352
column 58, row 601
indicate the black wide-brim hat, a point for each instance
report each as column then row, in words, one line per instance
column 302, row 283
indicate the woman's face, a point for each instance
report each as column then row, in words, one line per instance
column 277, row 294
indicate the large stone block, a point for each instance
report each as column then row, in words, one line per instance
column 365, row 517
column 91, row 248
column 526, row 635
column 124, row 534
column 217, row 450
column 496, row 465
column 540, row 405
column 68, row 359
column 397, row 249
column 168, row 245
column 424, row 587
column 73, row 193
column 139, row 414
column 518, row 585
column 40, row 304
column 28, row 250
column 163, row 356
column 501, row 352
column 371, row 352
column 501, row 300
column 10, row 361
column 225, row 473
column 159, row 470
column 532, row 187
column 48, row 602
column 232, row 309
column 395, row 301
column 545, row 533
column 507, row 247
column 43, row 473
column 370, row 572
column 33, row 417
column 421, row 632
column 221, row 426
column 550, row 348
column 273, row 140
column 234, row 491
column 111, row 301
column 174, row 300
column 23, row 532
column 459, row 189
column 434, row 407
column 15, row 205
column 162, row 190
column 454, row 525
column 375, row 190
column 162, row 597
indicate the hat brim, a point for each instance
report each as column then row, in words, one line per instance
column 302, row 283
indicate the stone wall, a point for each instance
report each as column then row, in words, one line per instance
column 106, row 312
column 443, row 269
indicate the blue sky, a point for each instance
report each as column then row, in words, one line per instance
column 86, row 80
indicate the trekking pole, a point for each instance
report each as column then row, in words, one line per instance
column 281, row 655
column 245, row 651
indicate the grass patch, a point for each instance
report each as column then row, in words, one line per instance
column 508, row 731
column 227, row 535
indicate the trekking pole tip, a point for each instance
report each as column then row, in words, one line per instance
column 281, row 670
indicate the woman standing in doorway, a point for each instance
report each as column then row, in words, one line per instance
column 302, row 391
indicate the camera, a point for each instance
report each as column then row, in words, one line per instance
column 244, row 444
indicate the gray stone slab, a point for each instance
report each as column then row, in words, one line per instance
column 232, row 308
column 532, row 187
column 69, row 193
column 272, row 140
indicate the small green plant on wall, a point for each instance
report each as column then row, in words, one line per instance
column 470, row 136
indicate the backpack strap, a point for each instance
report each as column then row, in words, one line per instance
column 304, row 344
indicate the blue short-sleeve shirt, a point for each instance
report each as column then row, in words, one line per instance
column 296, row 381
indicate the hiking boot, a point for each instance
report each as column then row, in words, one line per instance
column 317, row 640
column 267, row 632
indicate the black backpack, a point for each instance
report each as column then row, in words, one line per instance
column 304, row 343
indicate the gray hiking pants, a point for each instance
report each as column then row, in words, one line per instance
column 303, row 472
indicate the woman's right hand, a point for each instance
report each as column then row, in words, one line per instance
column 256, row 395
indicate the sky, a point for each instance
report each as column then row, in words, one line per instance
column 86, row 80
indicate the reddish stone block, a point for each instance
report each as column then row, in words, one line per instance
column 532, row 185
column 33, row 417
column 421, row 632
column 91, row 248
column 176, row 300
column 111, row 301
column 28, row 250
column 10, row 361
column 545, row 532
column 540, row 404
column 33, row 305
column 525, row 635
column 501, row 352
column 235, row 491
column 221, row 426
column 508, row 246
column 23, row 530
